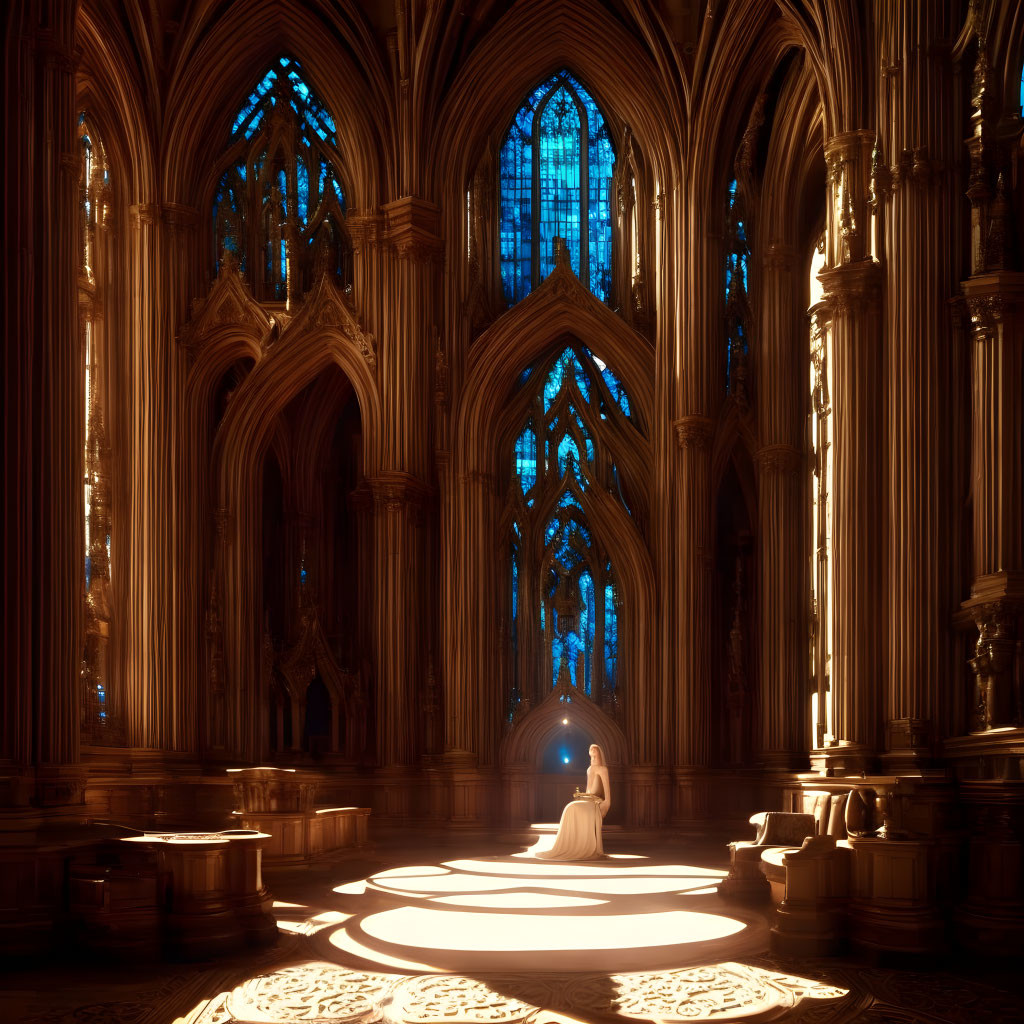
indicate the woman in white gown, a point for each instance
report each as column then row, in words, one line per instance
column 579, row 831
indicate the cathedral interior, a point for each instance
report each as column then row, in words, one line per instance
column 372, row 448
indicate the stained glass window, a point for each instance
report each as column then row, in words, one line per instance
column 569, row 601
column 556, row 180
column 736, row 267
column 279, row 208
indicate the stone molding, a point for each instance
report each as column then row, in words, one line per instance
column 412, row 229
column 775, row 459
column 694, row 432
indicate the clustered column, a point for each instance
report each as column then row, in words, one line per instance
column 43, row 424
column 921, row 217
column 782, row 553
column 400, row 491
column 852, row 285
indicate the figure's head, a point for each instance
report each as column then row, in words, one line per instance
column 596, row 754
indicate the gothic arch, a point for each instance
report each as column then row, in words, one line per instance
column 525, row 743
column 108, row 86
column 321, row 336
column 560, row 306
column 531, row 41
column 351, row 83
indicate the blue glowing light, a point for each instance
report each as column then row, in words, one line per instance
column 556, row 180
column 258, row 194
column 556, row 460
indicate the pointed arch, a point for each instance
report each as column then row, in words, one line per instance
column 219, row 64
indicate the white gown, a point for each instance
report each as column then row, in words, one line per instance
column 579, row 831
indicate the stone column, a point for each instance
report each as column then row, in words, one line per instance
column 43, row 423
column 922, row 213
column 852, row 285
column 996, row 603
column 398, row 519
column 691, row 697
column 994, row 297
column 783, row 705
column 400, row 493
column 159, row 289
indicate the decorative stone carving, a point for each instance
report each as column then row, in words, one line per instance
column 779, row 459
column 228, row 304
column 997, row 692
column 694, row 432
column 325, row 305
column 412, row 229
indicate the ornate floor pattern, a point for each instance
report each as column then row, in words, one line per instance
column 392, row 946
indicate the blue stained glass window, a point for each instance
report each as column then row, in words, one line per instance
column 568, row 500
column 567, row 450
column 736, row 280
column 302, row 188
column 283, row 187
column 588, row 626
column 515, row 585
column 555, row 176
column 611, row 633
column 572, row 610
column 526, row 458
column 553, row 384
column 736, row 262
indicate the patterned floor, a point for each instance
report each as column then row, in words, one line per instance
column 310, row 977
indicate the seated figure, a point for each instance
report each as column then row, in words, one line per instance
column 579, row 831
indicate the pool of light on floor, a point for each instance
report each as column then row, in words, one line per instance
column 428, row 928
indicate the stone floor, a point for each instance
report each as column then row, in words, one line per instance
column 445, row 926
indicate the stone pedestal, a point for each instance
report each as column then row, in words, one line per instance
column 991, row 917
column 896, row 891
column 215, row 898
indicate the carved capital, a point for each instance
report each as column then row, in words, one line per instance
column 694, row 432
column 991, row 300
column 915, row 167
column 366, row 228
column 412, row 229
column 395, row 491
column 852, row 286
column 778, row 459
column 144, row 213
column 986, row 312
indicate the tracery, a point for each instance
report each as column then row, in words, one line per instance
column 736, row 285
column 556, row 181
column 565, row 599
column 279, row 207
